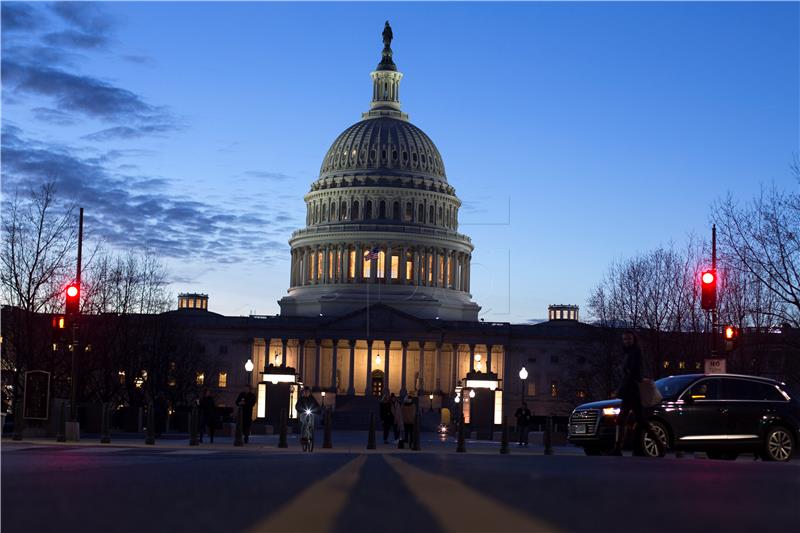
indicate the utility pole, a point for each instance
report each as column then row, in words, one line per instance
column 716, row 278
column 73, row 410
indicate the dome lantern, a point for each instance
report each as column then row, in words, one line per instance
column 386, row 83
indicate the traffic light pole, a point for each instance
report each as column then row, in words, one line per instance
column 73, row 410
column 714, row 310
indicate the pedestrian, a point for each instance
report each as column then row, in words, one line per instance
column 397, row 415
column 628, row 392
column 246, row 401
column 524, row 417
column 387, row 417
column 409, row 414
column 208, row 407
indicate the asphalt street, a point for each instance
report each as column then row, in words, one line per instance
column 126, row 487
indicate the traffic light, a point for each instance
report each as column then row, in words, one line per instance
column 708, row 294
column 73, row 294
column 59, row 322
column 731, row 335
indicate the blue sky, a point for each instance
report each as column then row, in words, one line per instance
column 194, row 129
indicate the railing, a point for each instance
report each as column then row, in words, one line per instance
column 409, row 230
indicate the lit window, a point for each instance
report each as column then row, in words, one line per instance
column 554, row 389
column 367, row 268
column 319, row 265
column 171, row 382
column 395, row 266
column 351, row 267
column 200, row 378
column 121, row 375
column 223, row 380
column 441, row 270
column 682, row 364
column 666, row 364
column 55, row 347
column 331, row 263
column 430, row 264
column 381, row 266
column 409, row 268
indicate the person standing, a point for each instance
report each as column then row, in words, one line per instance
column 523, row 416
column 397, row 414
column 628, row 392
column 387, row 417
column 209, row 409
column 246, row 401
column 409, row 414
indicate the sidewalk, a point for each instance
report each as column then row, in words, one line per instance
column 343, row 442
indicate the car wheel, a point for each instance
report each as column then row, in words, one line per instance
column 649, row 446
column 778, row 445
column 724, row 456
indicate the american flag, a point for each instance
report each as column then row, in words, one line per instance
column 372, row 254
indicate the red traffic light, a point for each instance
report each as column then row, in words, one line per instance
column 708, row 294
column 73, row 299
column 59, row 322
column 730, row 332
column 72, row 291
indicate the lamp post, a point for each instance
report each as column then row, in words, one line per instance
column 523, row 375
column 248, row 366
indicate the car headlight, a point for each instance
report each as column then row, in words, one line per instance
column 611, row 411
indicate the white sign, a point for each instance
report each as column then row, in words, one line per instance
column 715, row 366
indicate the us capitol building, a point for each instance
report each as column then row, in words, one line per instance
column 379, row 294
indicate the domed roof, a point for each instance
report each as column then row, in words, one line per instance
column 383, row 146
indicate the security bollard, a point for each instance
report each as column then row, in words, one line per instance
column 61, row 436
column 282, row 438
column 327, row 443
column 193, row 418
column 105, row 423
column 238, row 439
column 461, row 446
column 547, row 437
column 371, row 436
column 18, row 423
column 150, row 435
column 415, row 437
column 504, row 438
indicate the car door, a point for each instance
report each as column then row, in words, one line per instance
column 701, row 414
column 749, row 401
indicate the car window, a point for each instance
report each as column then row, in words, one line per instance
column 705, row 389
column 672, row 386
column 745, row 389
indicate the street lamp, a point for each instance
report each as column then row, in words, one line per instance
column 248, row 366
column 523, row 375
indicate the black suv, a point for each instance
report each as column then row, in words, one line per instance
column 720, row 414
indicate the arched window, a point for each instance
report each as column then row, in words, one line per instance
column 421, row 213
column 324, row 213
column 368, row 210
column 440, row 215
column 409, row 212
column 334, row 212
column 430, row 215
column 396, row 211
column 354, row 210
column 316, row 213
column 343, row 210
column 382, row 210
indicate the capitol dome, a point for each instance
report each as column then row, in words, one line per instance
column 381, row 213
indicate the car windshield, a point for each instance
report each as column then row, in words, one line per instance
column 672, row 386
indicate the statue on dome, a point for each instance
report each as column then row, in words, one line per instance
column 387, row 35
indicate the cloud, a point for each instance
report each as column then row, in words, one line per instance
column 141, row 60
column 17, row 16
column 53, row 116
column 130, row 132
column 86, row 16
column 76, row 39
column 134, row 212
column 265, row 174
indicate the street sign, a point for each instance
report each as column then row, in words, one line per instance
column 36, row 401
column 715, row 365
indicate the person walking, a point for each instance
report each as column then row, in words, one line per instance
column 523, row 416
column 397, row 414
column 246, row 401
column 628, row 392
column 208, row 407
column 387, row 417
column 409, row 411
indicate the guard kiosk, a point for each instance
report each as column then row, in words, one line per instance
column 277, row 391
column 483, row 390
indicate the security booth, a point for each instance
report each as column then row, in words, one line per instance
column 278, row 390
column 484, row 399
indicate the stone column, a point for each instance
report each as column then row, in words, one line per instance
column 401, row 266
column 283, row 352
column 317, row 366
column 345, row 264
column 416, row 257
column 472, row 358
column 437, row 367
column 334, row 364
column 421, row 386
column 325, row 263
column 314, row 269
column 386, row 346
column 446, row 267
column 403, row 369
column 435, row 267
column 489, row 357
column 368, row 389
column 301, row 360
column 373, row 269
column 266, row 353
column 351, row 389
column 359, row 264
column 387, row 265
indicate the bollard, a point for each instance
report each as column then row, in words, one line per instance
column 371, row 437
column 193, row 416
column 547, row 436
column 504, row 438
column 150, row 435
column 415, row 437
column 326, row 443
column 282, row 438
column 461, row 447
column 105, row 423
column 18, row 424
column 238, row 439
column 61, row 436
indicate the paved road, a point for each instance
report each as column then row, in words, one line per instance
column 124, row 488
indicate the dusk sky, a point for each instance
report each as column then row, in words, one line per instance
column 194, row 129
